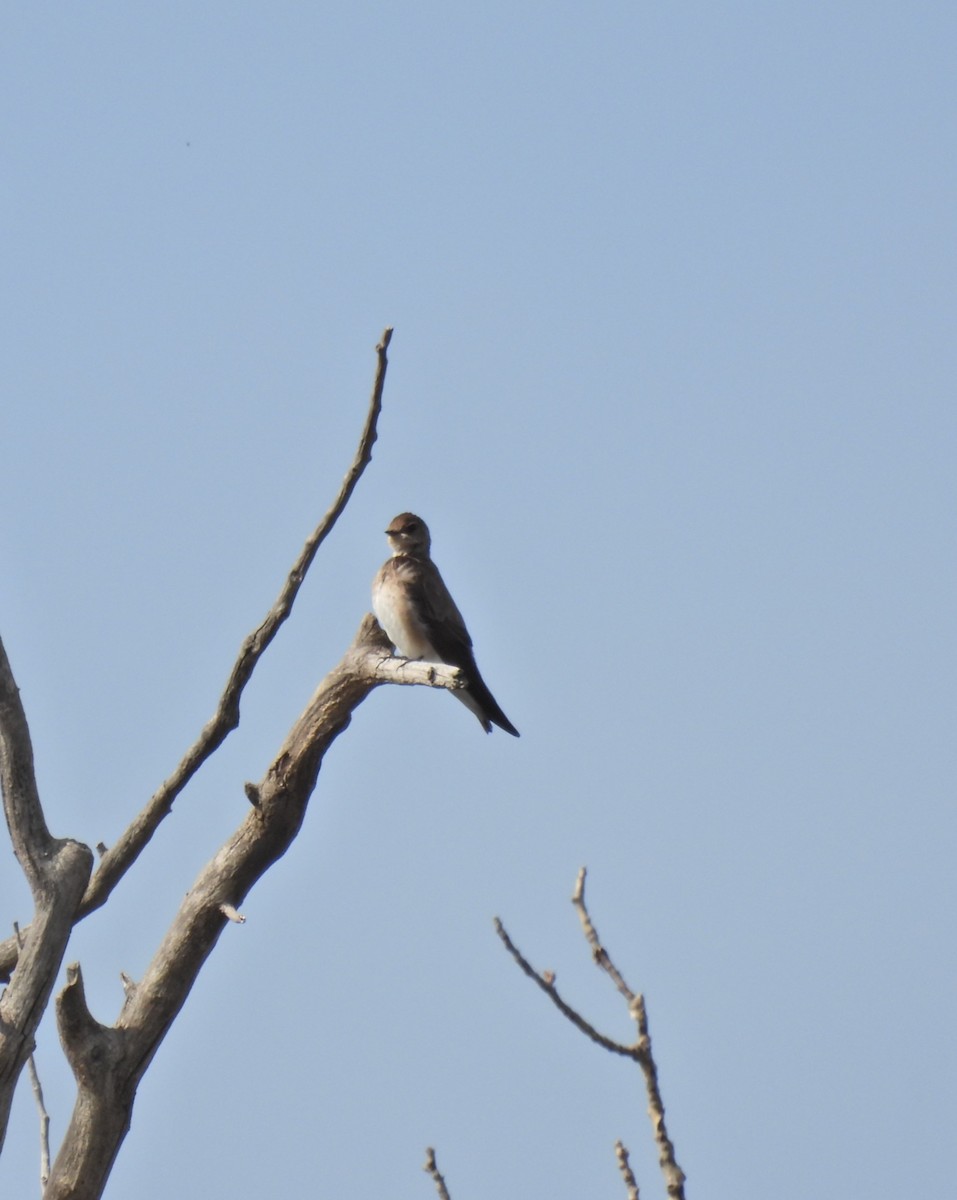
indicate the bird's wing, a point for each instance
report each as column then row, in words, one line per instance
column 442, row 624
column 439, row 615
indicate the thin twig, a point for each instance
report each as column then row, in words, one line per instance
column 621, row 1153
column 546, row 981
column 118, row 859
column 431, row 1168
column 599, row 954
column 38, row 1097
column 44, row 1123
column 641, row 1052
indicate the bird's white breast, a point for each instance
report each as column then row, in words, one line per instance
column 396, row 616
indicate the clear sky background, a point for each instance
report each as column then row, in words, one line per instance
column 674, row 289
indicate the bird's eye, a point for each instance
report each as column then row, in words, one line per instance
column 411, row 527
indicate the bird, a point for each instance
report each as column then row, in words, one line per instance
column 420, row 618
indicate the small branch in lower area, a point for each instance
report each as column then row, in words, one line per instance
column 431, row 1168
column 232, row 914
column 621, row 1153
column 44, row 1122
column 640, row 1051
column 37, row 1089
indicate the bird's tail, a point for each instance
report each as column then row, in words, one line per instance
column 479, row 700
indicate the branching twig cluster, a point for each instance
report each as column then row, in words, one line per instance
column 639, row 1051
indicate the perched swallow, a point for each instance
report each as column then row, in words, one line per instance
column 413, row 606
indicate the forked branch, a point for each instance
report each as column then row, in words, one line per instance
column 104, row 1101
column 108, row 1061
column 639, row 1050
column 118, row 859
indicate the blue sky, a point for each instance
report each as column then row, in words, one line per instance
column 673, row 383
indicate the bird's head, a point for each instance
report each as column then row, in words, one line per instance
column 408, row 534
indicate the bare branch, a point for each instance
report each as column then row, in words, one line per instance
column 57, row 871
column 621, row 1153
column 108, row 1062
column 431, row 1168
column 37, row 1090
column 673, row 1175
column 32, row 842
column 118, row 859
column 546, row 981
column 599, row 954
column 640, row 1052
column 92, row 1049
column 101, row 1116
column 104, row 1104
column 408, row 671
column 44, row 1122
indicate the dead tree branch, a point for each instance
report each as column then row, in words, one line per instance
column 109, row 1062
column 44, row 1116
column 624, row 1166
column 57, row 870
column 546, row 981
column 431, row 1168
column 673, row 1175
column 37, row 1089
column 639, row 1051
column 118, row 859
